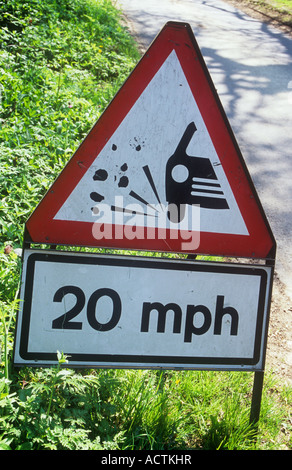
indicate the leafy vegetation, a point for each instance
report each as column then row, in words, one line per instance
column 60, row 64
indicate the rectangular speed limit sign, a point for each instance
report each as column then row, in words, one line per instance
column 120, row 311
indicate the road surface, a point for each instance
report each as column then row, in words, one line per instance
column 251, row 66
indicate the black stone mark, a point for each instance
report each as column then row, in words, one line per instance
column 114, row 147
column 96, row 197
column 100, row 175
column 124, row 181
column 95, row 210
column 137, row 144
column 124, row 167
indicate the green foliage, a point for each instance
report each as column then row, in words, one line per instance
column 53, row 409
column 60, row 64
column 60, row 409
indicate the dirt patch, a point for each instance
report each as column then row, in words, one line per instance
column 279, row 344
column 264, row 12
column 279, row 349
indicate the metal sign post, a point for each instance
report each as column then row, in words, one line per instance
column 259, row 375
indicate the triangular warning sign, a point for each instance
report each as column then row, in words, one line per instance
column 160, row 170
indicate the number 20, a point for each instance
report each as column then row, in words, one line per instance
column 64, row 322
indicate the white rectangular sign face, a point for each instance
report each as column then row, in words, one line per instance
column 120, row 311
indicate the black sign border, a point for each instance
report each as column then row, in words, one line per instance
column 137, row 361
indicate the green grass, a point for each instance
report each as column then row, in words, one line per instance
column 129, row 410
column 284, row 6
column 60, row 64
column 281, row 10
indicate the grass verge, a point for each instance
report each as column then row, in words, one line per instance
column 279, row 11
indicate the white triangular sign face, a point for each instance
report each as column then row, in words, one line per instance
column 160, row 167
column 131, row 168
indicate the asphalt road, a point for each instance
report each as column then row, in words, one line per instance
column 251, row 66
